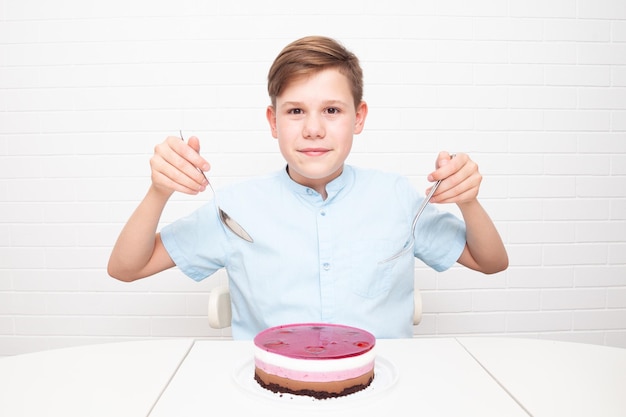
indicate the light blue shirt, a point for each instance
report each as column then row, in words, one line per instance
column 316, row 260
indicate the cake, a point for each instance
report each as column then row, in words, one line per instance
column 314, row 359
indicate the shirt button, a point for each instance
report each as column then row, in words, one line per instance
column 322, row 212
column 326, row 266
column 309, row 191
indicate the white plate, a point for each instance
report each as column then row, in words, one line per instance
column 385, row 376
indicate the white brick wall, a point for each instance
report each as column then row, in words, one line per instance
column 534, row 90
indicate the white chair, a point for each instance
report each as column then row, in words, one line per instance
column 220, row 314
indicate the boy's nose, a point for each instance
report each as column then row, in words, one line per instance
column 313, row 128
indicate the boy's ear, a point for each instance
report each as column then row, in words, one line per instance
column 361, row 114
column 270, row 113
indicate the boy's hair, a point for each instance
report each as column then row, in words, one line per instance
column 310, row 55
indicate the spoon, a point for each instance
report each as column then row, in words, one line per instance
column 227, row 221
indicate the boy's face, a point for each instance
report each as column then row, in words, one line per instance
column 314, row 121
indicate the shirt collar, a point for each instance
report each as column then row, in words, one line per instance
column 333, row 188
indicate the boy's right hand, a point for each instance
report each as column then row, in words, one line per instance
column 175, row 166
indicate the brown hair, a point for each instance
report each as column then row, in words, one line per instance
column 309, row 55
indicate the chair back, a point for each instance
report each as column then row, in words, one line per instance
column 220, row 313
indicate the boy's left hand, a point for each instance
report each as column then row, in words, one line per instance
column 461, row 179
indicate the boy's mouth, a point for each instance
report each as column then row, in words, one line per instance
column 314, row 151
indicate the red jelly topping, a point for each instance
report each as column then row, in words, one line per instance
column 315, row 341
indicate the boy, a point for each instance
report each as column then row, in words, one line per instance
column 320, row 228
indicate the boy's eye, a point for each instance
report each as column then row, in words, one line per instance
column 295, row 111
column 332, row 110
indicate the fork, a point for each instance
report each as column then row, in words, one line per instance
column 226, row 220
column 409, row 244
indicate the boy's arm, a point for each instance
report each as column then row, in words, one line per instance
column 139, row 252
column 484, row 250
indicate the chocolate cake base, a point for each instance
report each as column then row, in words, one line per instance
column 319, row 390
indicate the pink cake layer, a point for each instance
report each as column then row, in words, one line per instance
column 314, row 376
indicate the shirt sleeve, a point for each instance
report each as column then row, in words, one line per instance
column 195, row 244
column 440, row 238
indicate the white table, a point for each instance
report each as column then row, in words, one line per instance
column 467, row 376
column 108, row 380
column 435, row 377
column 552, row 378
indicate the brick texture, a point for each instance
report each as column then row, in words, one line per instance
column 534, row 91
